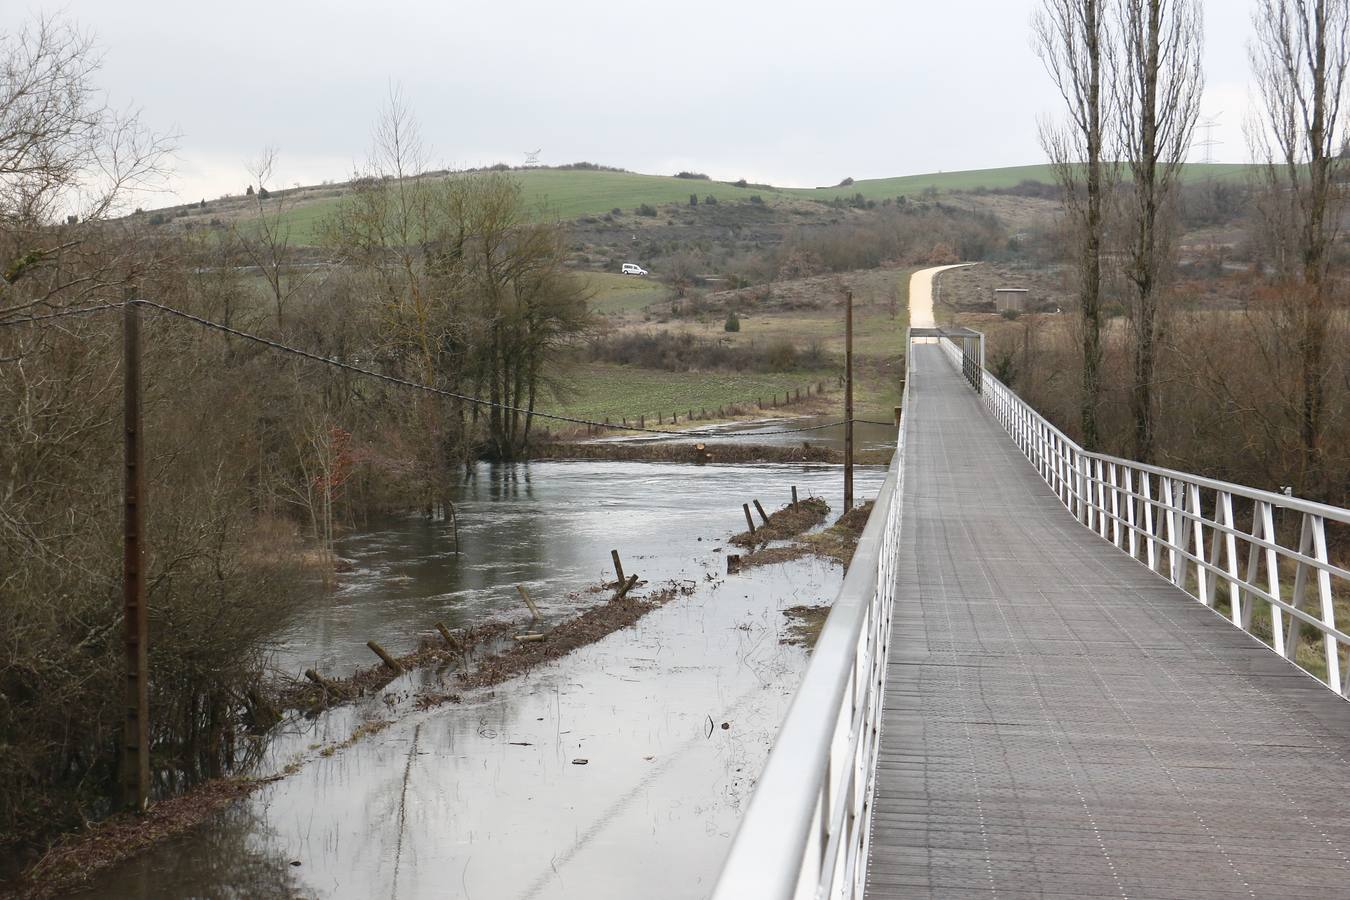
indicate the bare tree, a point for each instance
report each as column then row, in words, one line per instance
column 63, row 149
column 1300, row 58
column 1071, row 37
column 1158, row 102
column 266, row 237
column 63, row 152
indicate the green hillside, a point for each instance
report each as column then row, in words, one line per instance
column 571, row 193
column 993, row 179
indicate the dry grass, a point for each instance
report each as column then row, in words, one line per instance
column 835, row 543
column 840, row 540
column 785, row 523
column 804, row 625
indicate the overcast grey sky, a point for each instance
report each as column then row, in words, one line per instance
column 787, row 92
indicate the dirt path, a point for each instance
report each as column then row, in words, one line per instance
column 921, row 295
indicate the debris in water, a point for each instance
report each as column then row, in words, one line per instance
column 726, row 726
column 579, row 761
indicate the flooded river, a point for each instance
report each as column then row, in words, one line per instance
column 620, row 770
column 786, row 431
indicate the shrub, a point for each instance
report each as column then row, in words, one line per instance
column 733, row 323
column 847, row 182
column 710, row 200
column 693, row 199
column 263, row 193
column 646, row 210
column 695, row 175
column 781, row 355
column 616, row 211
column 1012, row 315
column 757, row 199
column 741, row 183
column 685, row 352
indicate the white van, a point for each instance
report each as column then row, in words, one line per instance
column 634, row 269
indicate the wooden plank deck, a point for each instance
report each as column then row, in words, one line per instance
column 1059, row 721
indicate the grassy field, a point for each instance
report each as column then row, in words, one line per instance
column 572, row 193
column 600, row 390
column 615, row 295
column 943, row 182
column 881, row 299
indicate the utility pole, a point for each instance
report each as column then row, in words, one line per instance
column 848, row 401
column 136, row 725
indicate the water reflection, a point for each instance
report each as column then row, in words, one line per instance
column 240, row 861
column 547, row 525
column 606, row 774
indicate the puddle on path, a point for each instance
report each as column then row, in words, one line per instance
column 484, row 799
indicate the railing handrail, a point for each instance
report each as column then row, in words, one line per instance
column 794, row 801
column 1284, row 501
column 1168, row 532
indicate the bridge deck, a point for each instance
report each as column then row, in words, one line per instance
column 1059, row 720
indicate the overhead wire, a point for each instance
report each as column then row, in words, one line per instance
column 426, row 388
column 61, row 314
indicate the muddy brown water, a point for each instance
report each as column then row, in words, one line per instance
column 489, row 798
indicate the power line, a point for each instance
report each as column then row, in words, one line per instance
column 477, row 401
column 60, row 315
column 418, row 386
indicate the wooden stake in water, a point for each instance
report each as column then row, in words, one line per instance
column 525, row 595
column 385, row 657
column 626, row 587
column 763, row 515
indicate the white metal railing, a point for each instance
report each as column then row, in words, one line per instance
column 1186, row 528
column 805, row 833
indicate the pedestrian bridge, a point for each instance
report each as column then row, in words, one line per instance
column 1051, row 672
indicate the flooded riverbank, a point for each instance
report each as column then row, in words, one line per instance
column 618, row 771
column 546, row 525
